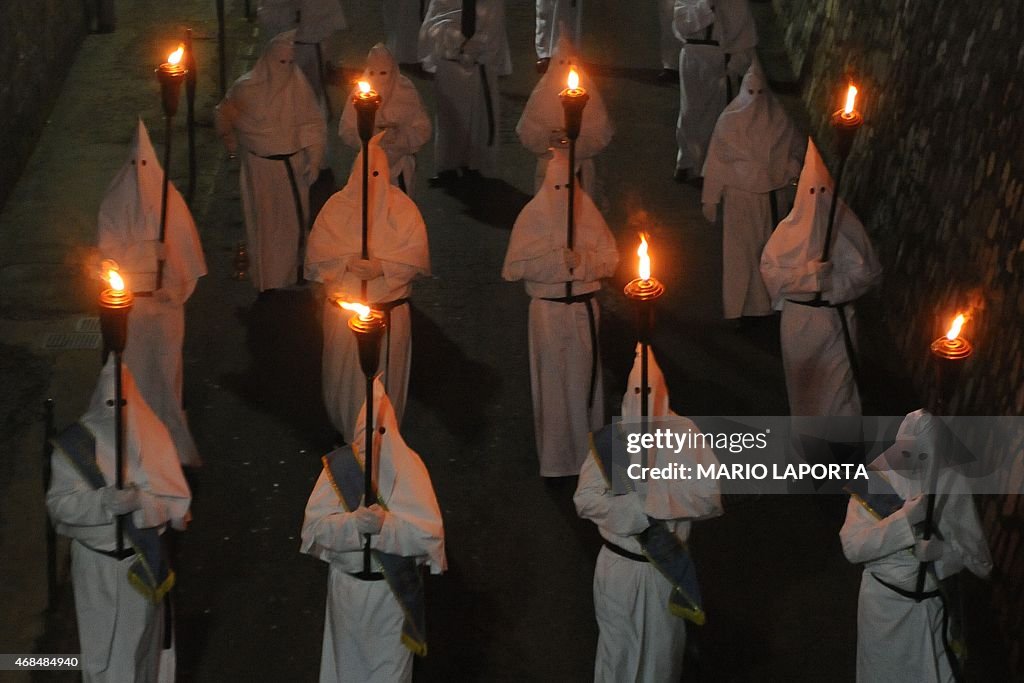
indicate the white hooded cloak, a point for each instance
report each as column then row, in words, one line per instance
column 754, row 151
column 899, row 639
column 272, row 111
column 561, row 351
column 363, row 625
column 639, row 638
column 819, row 380
column 129, row 233
column 402, row 117
column 718, row 47
column 557, row 20
column 398, row 238
column 120, row 631
column 543, row 118
column 467, row 132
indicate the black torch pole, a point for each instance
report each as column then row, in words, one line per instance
column 190, row 93
column 570, row 237
column 119, row 441
column 644, row 293
column 369, row 331
column 573, row 103
column 221, row 49
column 115, row 305
column 170, row 77
column 366, row 106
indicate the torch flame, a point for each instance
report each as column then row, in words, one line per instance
column 176, row 56
column 851, row 100
column 955, row 327
column 574, row 79
column 362, row 309
column 115, row 280
column 645, row 260
column 364, row 87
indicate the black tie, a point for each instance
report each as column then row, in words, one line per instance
column 468, row 18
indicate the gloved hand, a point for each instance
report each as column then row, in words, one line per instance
column 928, row 551
column 120, row 501
column 916, row 509
column 557, row 138
column 710, row 211
column 369, row 520
column 572, row 259
column 823, row 271
column 366, row 269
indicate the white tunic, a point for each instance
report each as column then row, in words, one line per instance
column 467, row 131
column 398, row 238
column 755, row 150
column 553, row 17
column 120, row 631
column 639, row 638
column 561, row 352
column 543, row 119
column 129, row 232
column 819, row 380
column 363, row 624
column 899, row 639
column 402, row 117
column 271, row 111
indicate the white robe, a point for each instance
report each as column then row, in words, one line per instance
column 129, row 232
column 639, row 638
column 269, row 111
column 705, row 70
column 552, row 17
column 819, row 380
column 403, row 20
column 561, row 352
column 898, row 639
column 362, row 639
column 466, row 136
column 120, row 631
column 402, row 117
column 318, row 21
column 398, row 238
column 755, row 150
column 543, row 117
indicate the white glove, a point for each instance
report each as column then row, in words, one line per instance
column 823, row 271
column 369, row 520
column 916, row 509
column 627, row 516
column 120, row 501
column 366, row 269
column 928, row 551
column 572, row 259
column 710, row 211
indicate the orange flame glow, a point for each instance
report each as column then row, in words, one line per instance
column 956, row 326
column 362, row 309
column 645, row 259
column 364, row 87
column 573, row 82
column 176, row 56
column 851, row 100
column 115, row 280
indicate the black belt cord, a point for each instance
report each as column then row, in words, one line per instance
column 491, row 124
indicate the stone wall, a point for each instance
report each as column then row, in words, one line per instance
column 937, row 176
column 38, row 39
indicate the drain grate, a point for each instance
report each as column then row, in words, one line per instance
column 88, row 324
column 71, row 340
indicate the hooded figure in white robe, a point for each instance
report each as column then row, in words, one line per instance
column 900, row 639
column 557, row 20
column 398, row 253
column 467, row 70
column 819, row 377
column 542, row 125
column 719, row 38
column 565, row 364
column 129, row 233
column 640, row 639
column 364, row 640
column 120, row 629
column 755, row 151
column 403, row 19
column 402, row 117
column 271, row 119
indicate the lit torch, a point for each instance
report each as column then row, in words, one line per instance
column 115, row 304
column 366, row 102
column 574, row 100
column 368, row 326
column 170, row 74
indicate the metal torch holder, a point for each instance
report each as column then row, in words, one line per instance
column 366, row 114
column 369, row 332
column 115, row 305
column 643, row 294
column 573, row 105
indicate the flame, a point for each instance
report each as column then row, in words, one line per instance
column 176, row 56
column 645, row 260
column 955, row 327
column 115, row 280
column 851, row 100
column 573, row 82
column 364, row 88
column 362, row 309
